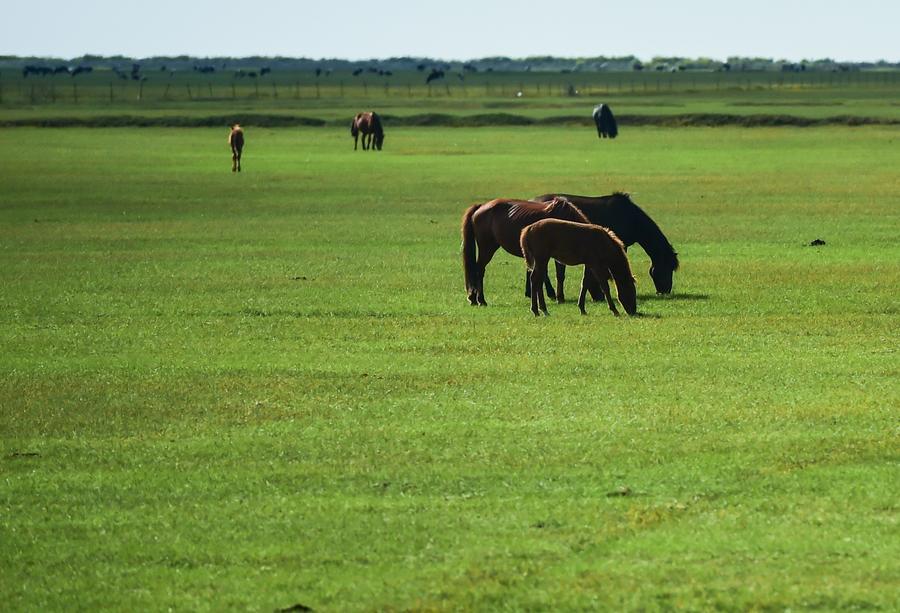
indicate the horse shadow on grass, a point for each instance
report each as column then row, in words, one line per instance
column 665, row 297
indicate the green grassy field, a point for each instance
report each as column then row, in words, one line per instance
column 248, row 391
column 340, row 95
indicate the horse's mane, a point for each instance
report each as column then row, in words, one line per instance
column 647, row 222
column 561, row 204
column 621, row 246
column 559, row 208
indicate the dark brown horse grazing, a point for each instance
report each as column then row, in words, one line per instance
column 236, row 142
column 599, row 249
column 632, row 225
column 605, row 122
column 499, row 223
column 369, row 124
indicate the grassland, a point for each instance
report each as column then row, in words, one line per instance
column 247, row 391
column 532, row 95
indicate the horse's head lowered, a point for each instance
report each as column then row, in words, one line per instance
column 661, row 272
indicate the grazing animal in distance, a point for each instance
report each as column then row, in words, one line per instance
column 632, row 225
column 599, row 249
column 605, row 121
column 369, row 125
column 236, row 142
column 499, row 223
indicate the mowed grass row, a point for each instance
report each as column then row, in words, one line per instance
column 254, row 390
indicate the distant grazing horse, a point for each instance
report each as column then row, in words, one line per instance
column 236, row 142
column 606, row 123
column 632, row 225
column 499, row 223
column 599, row 249
column 369, row 124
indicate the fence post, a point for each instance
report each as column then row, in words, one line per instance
column 75, row 92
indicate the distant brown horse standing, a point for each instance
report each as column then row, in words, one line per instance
column 497, row 224
column 369, row 124
column 598, row 248
column 236, row 142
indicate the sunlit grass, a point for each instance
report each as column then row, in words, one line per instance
column 250, row 391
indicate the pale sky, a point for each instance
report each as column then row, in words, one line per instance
column 849, row 30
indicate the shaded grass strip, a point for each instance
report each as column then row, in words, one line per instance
column 446, row 120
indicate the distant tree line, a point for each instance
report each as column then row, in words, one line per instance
column 430, row 67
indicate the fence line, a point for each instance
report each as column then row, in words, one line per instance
column 44, row 90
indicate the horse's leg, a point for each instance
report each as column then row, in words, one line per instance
column 537, row 288
column 355, row 140
column 239, row 160
column 527, row 283
column 485, row 253
column 560, row 281
column 585, row 280
column 542, row 303
column 594, row 290
column 233, row 160
column 601, row 275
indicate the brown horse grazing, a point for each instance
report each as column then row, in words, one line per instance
column 369, row 124
column 499, row 223
column 599, row 249
column 236, row 142
column 632, row 225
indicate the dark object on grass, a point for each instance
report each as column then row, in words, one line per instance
column 817, row 242
column 622, row 490
column 600, row 250
column 499, row 223
column 369, row 124
column 297, row 608
column 605, row 122
column 632, row 225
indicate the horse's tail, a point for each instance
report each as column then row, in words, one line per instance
column 526, row 252
column 468, row 246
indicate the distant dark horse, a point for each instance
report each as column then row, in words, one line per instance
column 369, row 124
column 606, row 123
column 499, row 223
column 601, row 252
column 236, row 142
column 632, row 225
